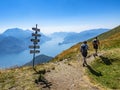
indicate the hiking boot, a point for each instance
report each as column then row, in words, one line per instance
column 96, row 54
column 84, row 65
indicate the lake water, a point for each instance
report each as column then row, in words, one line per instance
column 50, row 48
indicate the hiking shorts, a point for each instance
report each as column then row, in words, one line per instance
column 95, row 46
column 84, row 54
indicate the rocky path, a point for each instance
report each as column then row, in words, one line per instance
column 69, row 76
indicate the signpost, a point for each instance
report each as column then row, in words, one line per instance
column 33, row 34
column 35, row 41
column 34, row 51
column 34, row 47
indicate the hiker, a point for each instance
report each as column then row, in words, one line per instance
column 95, row 43
column 83, row 50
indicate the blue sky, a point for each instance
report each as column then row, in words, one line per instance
column 59, row 15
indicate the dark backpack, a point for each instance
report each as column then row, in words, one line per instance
column 95, row 42
column 83, row 47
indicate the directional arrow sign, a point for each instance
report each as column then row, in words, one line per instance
column 34, row 51
column 35, row 29
column 34, row 46
column 35, row 43
column 34, row 34
column 35, row 40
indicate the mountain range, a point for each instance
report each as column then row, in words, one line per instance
column 84, row 35
column 16, row 40
column 60, row 34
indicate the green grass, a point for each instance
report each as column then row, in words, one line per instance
column 108, row 65
column 106, row 35
column 109, row 33
column 6, row 81
column 18, row 79
column 22, row 78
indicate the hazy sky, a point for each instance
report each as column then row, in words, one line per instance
column 59, row 15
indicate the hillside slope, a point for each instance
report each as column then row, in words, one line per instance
column 110, row 33
column 39, row 59
column 65, row 71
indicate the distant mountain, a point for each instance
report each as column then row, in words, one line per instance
column 61, row 34
column 44, row 38
column 78, row 37
column 39, row 59
column 16, row 40
column 23, row 34
column 2, row 37
column 11, row 45
column 17, row 33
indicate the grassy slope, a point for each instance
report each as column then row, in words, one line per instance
column 19, row 78
column 109, row 67
column 106, row 35
column 109, row 33
column 24, row 77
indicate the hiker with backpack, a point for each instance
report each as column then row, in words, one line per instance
column 83, row 50
column 95, row 43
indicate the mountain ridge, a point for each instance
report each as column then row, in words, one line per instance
column 84, row 35
column 16, row 40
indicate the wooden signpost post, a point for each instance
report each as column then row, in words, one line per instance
column 35, row 41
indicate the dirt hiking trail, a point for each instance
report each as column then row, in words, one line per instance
column 70, row 76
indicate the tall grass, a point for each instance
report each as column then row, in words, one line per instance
column 109, row 67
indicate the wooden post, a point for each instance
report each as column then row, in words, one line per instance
column 35, row 45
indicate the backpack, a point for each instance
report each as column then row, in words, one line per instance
column 95, row 42
column 83, row 48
